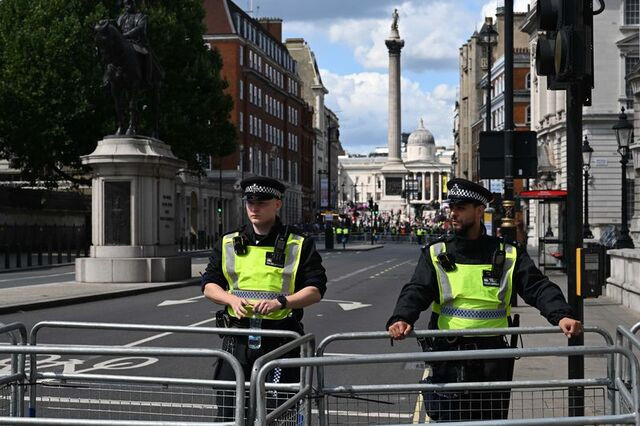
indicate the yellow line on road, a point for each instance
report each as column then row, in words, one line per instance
column 418, row 409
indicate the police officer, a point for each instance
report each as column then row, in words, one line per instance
column 468, row 278
column 266, row 270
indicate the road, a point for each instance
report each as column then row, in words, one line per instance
column 362, row 290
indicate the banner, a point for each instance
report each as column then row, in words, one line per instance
column 324, row 191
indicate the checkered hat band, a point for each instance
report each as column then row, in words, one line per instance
column 259, row 189
column 457, row 192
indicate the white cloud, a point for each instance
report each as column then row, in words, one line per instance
column 361, row 102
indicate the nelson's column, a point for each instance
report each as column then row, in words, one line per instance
column 394, row 170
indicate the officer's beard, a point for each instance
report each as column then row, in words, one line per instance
column 463, row 229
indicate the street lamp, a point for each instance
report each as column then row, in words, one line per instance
column 454, row 163
column 624, row 133
column 488, row 37
column 548, row 183
column 587, row 151
column 344, row 196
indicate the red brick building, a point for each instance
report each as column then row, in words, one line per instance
column 275, row 131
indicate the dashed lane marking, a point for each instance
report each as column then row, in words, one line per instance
column 359, row 271
column 390, row 269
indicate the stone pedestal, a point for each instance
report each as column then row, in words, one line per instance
column 133, row 214
column 623, row 285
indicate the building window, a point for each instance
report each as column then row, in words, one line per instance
column 527, row 115
column 241, row 88
column 629, row 63
column 241, row 122
column 527, row 81
column 632, row 12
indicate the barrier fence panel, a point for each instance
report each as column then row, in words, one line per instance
column 64, row 398
column 627, row 339
column 533, row 402
column 11, row 386
column 279, row 393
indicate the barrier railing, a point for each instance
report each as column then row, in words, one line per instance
column 358, row 390
column 627, row 339
column 379, row 335
column 11, row 401
column 92, row 407
column 307, row 345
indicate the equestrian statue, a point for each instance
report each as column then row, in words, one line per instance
column 130, row 66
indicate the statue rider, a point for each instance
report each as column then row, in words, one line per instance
column 133, row 25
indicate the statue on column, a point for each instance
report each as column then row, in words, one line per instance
column 395, row 16
column 130, row 66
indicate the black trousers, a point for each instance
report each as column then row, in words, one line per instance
column 469, row 405
column 238, row 347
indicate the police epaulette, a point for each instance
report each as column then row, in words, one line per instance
column 240, row 230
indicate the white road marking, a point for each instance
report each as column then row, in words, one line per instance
column 347, row 305
column 31, row 277
column 389, row 269
column 359, row 271
column 417, row 411
column 158, row 336
column 180, row 302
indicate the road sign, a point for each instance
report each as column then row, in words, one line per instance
column 492, row 155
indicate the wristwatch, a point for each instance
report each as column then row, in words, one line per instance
column 282, row 300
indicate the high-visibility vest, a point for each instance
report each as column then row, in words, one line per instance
column 345, row 231
column 251, row 278
column 338, row 230
column 470, row 299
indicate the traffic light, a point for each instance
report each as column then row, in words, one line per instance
column 375, row 209
column 564, row 54
column 219, row 208
column 370, row 204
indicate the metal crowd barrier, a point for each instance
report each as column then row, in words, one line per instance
column 628, row 339
column 281, row 392
column 11, row 386
column 369, row 392
column 88, row 398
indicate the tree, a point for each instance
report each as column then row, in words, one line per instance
column 52, row 108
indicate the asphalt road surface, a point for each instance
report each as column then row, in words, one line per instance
column 362, row 290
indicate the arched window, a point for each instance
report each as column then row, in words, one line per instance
column 527, row 81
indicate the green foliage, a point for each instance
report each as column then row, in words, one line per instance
column 52, row 108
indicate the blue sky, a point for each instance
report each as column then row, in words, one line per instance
column 347, row 37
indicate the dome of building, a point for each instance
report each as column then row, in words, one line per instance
column 421, row 145
column 421, row 136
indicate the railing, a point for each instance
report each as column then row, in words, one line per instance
column 29, row 245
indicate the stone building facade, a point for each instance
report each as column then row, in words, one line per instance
column 615, row 53
column 268, row 106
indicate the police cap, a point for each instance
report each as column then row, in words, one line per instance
column 462, row 191
column 258, row 188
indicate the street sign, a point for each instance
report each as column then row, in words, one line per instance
column 492, row 155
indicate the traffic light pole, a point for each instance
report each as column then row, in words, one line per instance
column 508, row 226
column 575, row 99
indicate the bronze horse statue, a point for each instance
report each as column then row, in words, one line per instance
column 127, row 74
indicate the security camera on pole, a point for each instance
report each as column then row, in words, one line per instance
column 564, row 54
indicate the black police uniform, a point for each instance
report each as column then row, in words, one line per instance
column 310, row 272
column 422, row 290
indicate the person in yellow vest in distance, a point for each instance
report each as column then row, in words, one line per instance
column 345, row 235
column 264, row 274
column 337, row 230
column 468, row 279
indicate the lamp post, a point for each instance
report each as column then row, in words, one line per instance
column 343, row 196
column 548, row 183
column 454, row 164
column 488, row 37
column 624, row 132
column 587, row 151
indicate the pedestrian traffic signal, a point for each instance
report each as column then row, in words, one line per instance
column 564, row 54
column 219, row 209
column 375, row 209
column 371, row 204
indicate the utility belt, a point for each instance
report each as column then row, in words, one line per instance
column 224, row 320
column 462, row 343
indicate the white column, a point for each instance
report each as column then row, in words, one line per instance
column 432, row 183
column 439, row 187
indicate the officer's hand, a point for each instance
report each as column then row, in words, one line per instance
column 570, row 327
column 399, row 330
column 238, row 305
column 267, row 306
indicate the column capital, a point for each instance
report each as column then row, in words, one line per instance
column 394, row 45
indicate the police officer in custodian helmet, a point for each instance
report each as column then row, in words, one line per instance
column 468, row 279
column 266, row 271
